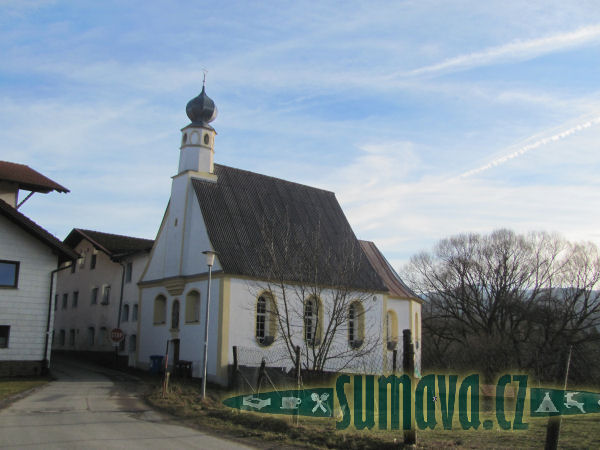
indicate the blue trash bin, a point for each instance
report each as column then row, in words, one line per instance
column 156, row 362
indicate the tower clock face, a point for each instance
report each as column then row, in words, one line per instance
column 206, row 139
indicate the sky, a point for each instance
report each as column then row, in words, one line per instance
column 426, row 118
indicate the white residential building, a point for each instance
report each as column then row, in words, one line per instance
column 99, row 294
column 29, row 259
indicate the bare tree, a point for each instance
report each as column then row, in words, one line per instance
column 514, row 301
column 318, row 304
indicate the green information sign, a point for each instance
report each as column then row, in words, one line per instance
column 555, row 402
column 316, row 402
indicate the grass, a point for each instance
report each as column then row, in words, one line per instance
column 13, row 386
column 183, row 400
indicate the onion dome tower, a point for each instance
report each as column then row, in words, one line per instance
column 198, row 138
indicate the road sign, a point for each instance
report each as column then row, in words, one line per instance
column 116, row 335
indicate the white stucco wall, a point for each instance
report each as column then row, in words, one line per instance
column 25, row 309
column 182, row 237
column 244, row 294
column 154, row 337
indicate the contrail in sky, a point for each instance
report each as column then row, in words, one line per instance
column 534, row 145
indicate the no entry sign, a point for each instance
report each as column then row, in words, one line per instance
column 116, row 335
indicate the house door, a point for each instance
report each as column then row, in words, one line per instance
column 175, row 350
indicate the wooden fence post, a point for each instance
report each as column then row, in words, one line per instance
column 408, row 366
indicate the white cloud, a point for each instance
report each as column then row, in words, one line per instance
column 514, row 51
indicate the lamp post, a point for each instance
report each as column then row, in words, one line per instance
column 210, row 260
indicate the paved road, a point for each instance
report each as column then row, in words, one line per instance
column 85, row 408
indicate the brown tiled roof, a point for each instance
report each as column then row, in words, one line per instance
column 256, row 222
column 114, row 245
column 391, row 279
column 27, row 178
column 64, row 252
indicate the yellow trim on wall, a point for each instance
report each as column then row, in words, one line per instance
column 224, row 316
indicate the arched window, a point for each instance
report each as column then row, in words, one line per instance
column 91, row 336
column 125, row 316
column 192, row 307
column 356, row 324
column 417, row 336
column 175, row 315
column 132, row 343
column 391, row 327
column 312, row 321
column 160, row 310
column 266, row 325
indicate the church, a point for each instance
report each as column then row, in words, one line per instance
column 274, row 264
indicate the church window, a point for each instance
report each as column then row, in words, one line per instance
column 192, row 307
column 266, row 324
column 175, row 315
column 160, row 310
column 391, row 326
column 356, row 324
column 312, row 321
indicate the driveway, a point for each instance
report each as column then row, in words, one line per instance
column 91, row 407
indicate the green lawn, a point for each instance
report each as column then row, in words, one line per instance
column 11, row 386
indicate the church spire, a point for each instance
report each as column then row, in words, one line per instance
column 198, row 138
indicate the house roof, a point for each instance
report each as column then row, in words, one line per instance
column 114, row 245
column 64, row 252
column 392, row 280
column 27, row 178
column 268, row 228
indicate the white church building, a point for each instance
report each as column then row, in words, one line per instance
column 280, row 246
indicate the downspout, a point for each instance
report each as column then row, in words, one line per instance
column 120, row 307
column 46, row 366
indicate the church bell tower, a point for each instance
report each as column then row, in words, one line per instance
column 198, row 138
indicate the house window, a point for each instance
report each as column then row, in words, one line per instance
column 134, row 313
column 391, row 327
column 72, row 338
column 128, row 270
column 312, row 321
column 4, row 334
column 132, row 343
column 75, row 299
column 102, row 336
column 175, row 315
column 61, row 338
column 9, row 274
column 65, row 302
column 93, row 261
column 55, row 302
column 192, row 307
column 356, row 324
column 265, row 320
column 91, row 336
column 122, row 343
column 94, row 296
column 125, row 317
column 106, row 294
column 160, row 310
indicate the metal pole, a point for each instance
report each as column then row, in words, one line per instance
column 206, row 333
